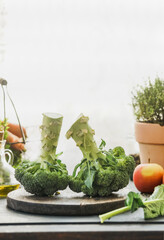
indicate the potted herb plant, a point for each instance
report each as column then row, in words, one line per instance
column 148, row 106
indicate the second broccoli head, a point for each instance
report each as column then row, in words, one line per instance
column 48, row 174
column 100, row 172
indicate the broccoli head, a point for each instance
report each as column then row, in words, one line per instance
column 47, row 174
column 42, row 178
column 100, row 172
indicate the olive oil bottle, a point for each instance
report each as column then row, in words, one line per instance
column 7, row 181
column 5, row 189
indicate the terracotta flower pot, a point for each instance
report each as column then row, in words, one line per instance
column 151, row 142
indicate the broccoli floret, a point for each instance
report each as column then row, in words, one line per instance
column 128, row 163
column 63, row 180
column 41, row 181
column 100, row 172
column 120, row 180
column 104, row 191
column 30, row 183
column 75, row 184
column 105, row 177
column 118, row 152
column 93, row 192
column 48, row 174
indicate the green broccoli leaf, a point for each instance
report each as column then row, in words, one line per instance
column 153, row 206
column 134, row 200
column 110, row 157
column 155, row 203
column 77, row 166
column 91, row 171
column 75, row 169
column 57, row 155
column 154, row 209
column 158, row 193
column 102, row 144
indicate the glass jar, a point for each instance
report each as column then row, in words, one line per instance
column 7, row 180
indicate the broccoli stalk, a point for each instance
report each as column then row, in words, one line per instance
column 113, row 213
column 82, row 134
column 47, row 174
column 100, row 172
column 51, row 127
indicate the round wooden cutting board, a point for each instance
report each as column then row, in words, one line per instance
column 66, row 203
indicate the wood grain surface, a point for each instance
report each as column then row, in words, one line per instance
column 83, row 236
column 66, row 203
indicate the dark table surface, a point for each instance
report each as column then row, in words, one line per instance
column 19, row 225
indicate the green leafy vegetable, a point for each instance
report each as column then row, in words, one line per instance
column 155, row 203
column 48, row 174
column 153, row 206
column 134, row 201
column 100, row 172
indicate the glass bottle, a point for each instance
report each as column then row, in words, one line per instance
column 7, row 180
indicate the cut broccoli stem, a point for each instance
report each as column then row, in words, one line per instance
column 118, row 211
column 113, row 213
column 82, row 134
column 51, row 127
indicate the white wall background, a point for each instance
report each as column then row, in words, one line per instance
column 73, row 56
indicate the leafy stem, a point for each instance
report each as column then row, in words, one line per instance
column 113, row 213
column 153, row 206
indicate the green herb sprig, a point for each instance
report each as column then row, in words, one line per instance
column 148, row 102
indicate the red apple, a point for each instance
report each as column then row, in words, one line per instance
column 147, row 176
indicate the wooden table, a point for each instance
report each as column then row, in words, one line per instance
column 18, row 225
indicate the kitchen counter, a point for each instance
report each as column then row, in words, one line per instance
column 18, row 225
